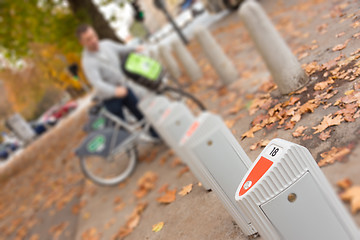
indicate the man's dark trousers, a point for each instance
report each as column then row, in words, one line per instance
column 130, row 101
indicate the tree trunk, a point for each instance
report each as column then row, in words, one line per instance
column 87, row 12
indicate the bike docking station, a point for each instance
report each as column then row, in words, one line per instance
column 287, row 197
column 172, row 126
column 173, row 123
column 212, row 150
column 154, row 109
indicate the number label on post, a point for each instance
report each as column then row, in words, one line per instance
column 273, row 152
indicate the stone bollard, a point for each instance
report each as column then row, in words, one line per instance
column 220, row 62
column 188, row 62
column 168, row 60
column 283, row 65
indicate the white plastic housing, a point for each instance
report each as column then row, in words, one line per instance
column 174, row 122
column 220, row 160
column 287, row 197
column 154, row 109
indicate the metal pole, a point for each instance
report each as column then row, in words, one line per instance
column 176, row 27
column 160, row 4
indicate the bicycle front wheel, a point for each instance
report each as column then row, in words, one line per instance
column 112, row 170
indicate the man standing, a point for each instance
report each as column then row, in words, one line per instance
column 101, row 64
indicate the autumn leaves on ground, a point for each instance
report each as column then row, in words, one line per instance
column 48, row 198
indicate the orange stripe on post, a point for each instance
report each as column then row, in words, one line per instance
column 257, row 172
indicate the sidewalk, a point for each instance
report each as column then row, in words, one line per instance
column 310, row 29
column 57, row 203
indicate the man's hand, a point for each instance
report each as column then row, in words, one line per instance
column 121, row 92
column 140, row 48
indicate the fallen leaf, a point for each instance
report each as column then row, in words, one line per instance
column 131, row 223
column 303, row 55
column 163, row 188
column 322, row 85
column 254, row 146
column 344, row 183
column 259, row 103
column 168, row 197
column 261, row 143
column 289, row 125
column 117, row 200
column 109, row 223
column 250, row 133
column 347, row 93
column 267, row 86
column 163, row 160
column 325, row 135
column 119, row 207
column 300, row 91
column 157, row 227
column 340, row 34
column 183, row 170
column 311, row 68
column 356, row 24
column 35, row 237
column 335, row 154
column 122, row 185
column 186, row 190
column 145, row 184
column 328, row 121
column 309, row 106
column 296, row 118
column 77, row 207
column 57, row 230
column 355, row 97
column 86, row 216
column 223, row 91
column 230, row 123
column 299, row 131
column 352, row 195
column 291, row 101
column 307, row 137
column 322, row 28
column 236, row 108
column 123, row 232
column 151, row 156
column 176, row 162
column 341, row 46
column 260, row 118
column 91, row 234
column 140, row 193
column 357, row 114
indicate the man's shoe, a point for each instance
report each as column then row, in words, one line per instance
column 149, row 139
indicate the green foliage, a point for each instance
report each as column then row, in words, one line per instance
column 36, row 21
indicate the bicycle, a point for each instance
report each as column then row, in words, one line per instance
column 112, row 142
column 109, row 153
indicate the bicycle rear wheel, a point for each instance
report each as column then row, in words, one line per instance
column 112, row 170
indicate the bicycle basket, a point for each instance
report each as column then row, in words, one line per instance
column 143, row 70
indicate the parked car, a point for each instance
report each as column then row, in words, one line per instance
column 195, row 7
column 6, row 149
column 217, row 6
column 40, row 127
column 57, row 112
